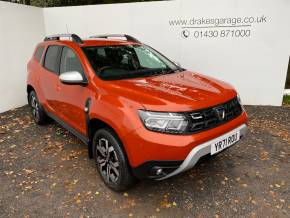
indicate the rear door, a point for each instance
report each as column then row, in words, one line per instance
column 49, row 77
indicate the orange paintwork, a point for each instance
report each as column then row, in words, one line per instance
column 117, row 102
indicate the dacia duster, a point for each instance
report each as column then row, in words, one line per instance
column 140, row 114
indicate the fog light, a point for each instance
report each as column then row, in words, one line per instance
column 159, row 172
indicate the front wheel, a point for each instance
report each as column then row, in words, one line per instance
column 111, row 161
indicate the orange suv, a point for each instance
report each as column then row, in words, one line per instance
column 140, row 114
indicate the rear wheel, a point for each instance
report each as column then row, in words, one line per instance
column 111, row 161
column 37, row 111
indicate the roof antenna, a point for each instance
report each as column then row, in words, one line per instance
column 67, row 30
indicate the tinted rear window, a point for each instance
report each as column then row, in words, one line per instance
column 38, row 53
column 52, row 58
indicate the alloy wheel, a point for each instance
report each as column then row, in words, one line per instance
column 35, row 107
column 107, row 160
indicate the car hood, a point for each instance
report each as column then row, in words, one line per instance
column 182, row 91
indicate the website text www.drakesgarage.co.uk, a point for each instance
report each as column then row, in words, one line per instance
column 204, row 27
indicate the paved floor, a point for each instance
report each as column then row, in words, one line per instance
column 45, row 172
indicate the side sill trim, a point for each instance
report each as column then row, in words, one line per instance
column 76, row 133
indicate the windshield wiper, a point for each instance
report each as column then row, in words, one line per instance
column 161, row 71
column 168, row 71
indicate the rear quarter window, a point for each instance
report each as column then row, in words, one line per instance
column 52, row 58
column 38, row 53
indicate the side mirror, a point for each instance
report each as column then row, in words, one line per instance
column 72, row 77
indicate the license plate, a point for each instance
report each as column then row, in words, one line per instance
column 225, row 142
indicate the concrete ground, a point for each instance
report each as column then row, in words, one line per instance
column 45, row 172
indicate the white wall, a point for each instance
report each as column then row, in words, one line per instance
column 21, row 28
column 255, row 65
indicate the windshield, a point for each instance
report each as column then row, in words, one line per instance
column 127, row 61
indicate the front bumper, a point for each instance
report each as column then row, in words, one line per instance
column 200, row 151
column 144, row 146
column 148, row 170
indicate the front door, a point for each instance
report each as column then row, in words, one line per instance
column 71, row 97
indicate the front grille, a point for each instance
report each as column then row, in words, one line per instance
column 212, row 117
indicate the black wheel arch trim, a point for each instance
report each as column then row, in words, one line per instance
column 90, row 133
column 29, row 88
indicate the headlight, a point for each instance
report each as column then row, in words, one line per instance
column 163, row 121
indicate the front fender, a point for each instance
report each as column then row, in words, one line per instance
column 120, row 113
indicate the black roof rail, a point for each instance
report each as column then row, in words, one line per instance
column 75, row 37
column 128, row 37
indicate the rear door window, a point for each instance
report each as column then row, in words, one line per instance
column 38, row 53
column 52, row 58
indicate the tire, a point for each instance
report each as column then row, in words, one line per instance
column 38, row 112
column 111, row 161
